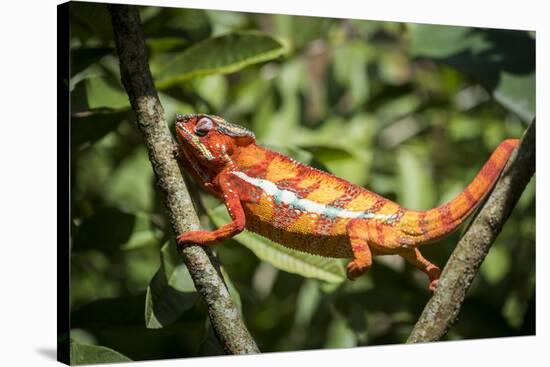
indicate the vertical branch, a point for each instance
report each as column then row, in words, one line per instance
column 138, row 82
column 463, row 265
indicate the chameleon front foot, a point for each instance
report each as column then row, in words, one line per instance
column 413, row 256
column 203, row 238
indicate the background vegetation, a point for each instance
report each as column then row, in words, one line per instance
column 409, row 111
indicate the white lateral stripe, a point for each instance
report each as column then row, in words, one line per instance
column 290, row 198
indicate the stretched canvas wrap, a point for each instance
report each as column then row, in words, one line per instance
column 411, row 112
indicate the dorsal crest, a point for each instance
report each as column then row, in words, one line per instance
column 231, row 129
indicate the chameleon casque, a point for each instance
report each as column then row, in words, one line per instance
column 310, row 210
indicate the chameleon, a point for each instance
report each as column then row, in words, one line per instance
column 310, row 210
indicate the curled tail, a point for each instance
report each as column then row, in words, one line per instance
column 438, row 222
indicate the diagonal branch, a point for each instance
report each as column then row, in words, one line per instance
column 137, row 80
column 463, row 265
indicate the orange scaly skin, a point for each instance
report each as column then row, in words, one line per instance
column 310, row 210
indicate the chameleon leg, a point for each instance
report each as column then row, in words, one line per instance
column 413, row 256
column 236, row 226
column 362, row 260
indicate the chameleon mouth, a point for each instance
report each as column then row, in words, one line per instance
column 193, row 140
column 186, row 137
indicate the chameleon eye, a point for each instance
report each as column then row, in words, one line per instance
column 203, row 126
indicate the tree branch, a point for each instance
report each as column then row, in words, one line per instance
column 463, row 265
column 137, row 80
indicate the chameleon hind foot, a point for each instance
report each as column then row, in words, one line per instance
column 433, row 285
column 433, row 273
column 413, row 256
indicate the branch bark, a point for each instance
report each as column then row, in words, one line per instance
column 463, row 265
column 202, row 265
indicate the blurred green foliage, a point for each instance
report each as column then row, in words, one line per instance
column 409, row 111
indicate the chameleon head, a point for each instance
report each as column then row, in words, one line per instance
column 208, row 141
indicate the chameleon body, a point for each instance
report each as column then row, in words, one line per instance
column 310, row 210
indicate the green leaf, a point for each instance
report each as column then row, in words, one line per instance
column 395, row 68
column 91, row 278
column 273, row 128
column 91, row 127
column 145, row 233
column 226, row 21
column 358, row 322
column 340, row 334
column 416, row 187
column 396, row 108
column 83, row 57
column 513, row 310
column 307, row 302
column 233, row 292
column 463, row 127
column 224, row 54
column 91, row 23
column 171, row 292
column 439, row 41
column 518, row 94
column 212, row 89
column 188, row 24
column 107, row 230
column 292, row 261
column 211, row 345
column 300, row 30
column 350, row 69
column 163, row 47
column 104, row 312
column 82, row 336
column 92, row 354
column 106, row 92
column 496, row 264
column 131, row 185
column 503, row 61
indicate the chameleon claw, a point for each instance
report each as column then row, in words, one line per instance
column 433, row 272
column 433, row 286
column 202, row 238
column 355, row 269
column 182, row 242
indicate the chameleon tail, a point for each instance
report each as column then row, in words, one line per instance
column 438, row 222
